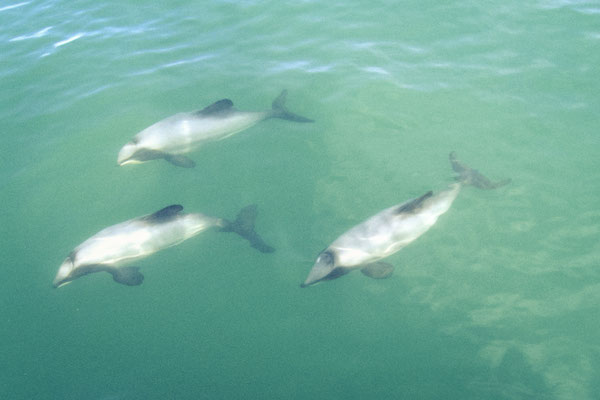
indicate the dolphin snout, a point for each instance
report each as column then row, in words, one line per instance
column 126, row 153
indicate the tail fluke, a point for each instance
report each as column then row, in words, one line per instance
column 244, row 226
column 470, row 176
column 279, row 110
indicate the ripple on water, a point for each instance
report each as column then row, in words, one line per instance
column 41, row 33
column 10, row 7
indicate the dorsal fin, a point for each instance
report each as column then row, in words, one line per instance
column 217, row 107
column 414, row 204
column 165, row 213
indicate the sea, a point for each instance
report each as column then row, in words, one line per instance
column 500, row 299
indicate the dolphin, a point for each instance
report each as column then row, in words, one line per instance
column 184, row 132
column 118, row 245
column 392, row 229
column 470, row 176
column 381, row 236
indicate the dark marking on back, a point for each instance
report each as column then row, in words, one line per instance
column 413, row 205
column 218, row 107
column 164, row 214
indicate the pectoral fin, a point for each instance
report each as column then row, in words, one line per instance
column 179, row 160
column 378, row 270
column 130, row 276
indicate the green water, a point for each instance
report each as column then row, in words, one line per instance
column 499, row 300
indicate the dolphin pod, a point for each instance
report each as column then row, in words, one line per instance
column 115, row 248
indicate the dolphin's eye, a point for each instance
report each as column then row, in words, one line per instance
column 134, row 140
column 326, row 257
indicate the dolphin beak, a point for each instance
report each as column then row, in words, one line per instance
column 63, row 274
column 126, row 153
column 56, row 285
column 60, row 280
column 320, row 270
column 124, row 162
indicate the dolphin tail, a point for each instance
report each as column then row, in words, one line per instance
column 279, row 110
column 244, row 226
column 470, row 176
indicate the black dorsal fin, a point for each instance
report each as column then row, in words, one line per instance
column 165, row 213
column 217, row 107
column 414, row 204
